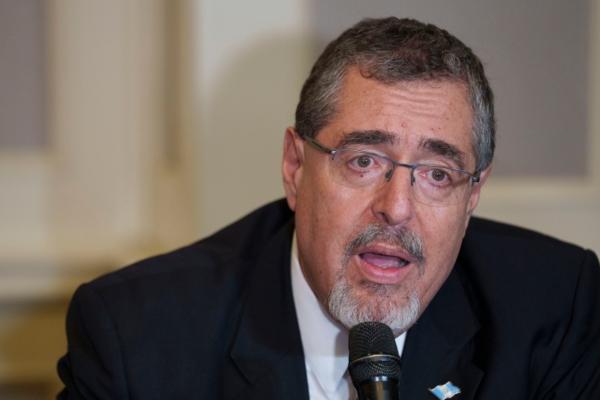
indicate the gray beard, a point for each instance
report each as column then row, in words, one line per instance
column 380, row 303
column 396, row 306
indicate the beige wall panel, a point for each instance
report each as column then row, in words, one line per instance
column 252, row 60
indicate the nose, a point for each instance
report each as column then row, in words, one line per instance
column 394, row 200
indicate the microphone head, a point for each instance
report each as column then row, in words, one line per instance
column 373, row 353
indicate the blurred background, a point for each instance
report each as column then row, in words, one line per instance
column 129, row 127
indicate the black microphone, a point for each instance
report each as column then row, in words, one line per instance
column 374, row 361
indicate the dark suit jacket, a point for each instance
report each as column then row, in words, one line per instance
column 518, row 318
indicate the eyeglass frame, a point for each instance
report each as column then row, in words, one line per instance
column 474, row 177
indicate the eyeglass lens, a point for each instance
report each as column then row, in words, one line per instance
column 431, row 184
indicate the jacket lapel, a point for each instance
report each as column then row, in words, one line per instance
column 267, row 349
column 440, row 347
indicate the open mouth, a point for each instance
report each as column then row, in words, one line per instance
column 383, row 261
column 384, row 264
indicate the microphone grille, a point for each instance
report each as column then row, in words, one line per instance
column 370, row 338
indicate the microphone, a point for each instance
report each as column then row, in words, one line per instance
column 374, row 361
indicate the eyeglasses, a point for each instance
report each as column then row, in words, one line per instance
column 435, row 185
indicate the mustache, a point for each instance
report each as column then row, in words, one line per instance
column 402, row 237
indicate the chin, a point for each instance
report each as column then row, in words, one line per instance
column 375, row 302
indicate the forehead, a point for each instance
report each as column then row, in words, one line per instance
column 411, row 111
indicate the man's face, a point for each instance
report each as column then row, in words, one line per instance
column 374, row 253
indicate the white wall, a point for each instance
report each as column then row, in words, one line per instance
column 252, row 58
column 568, row 208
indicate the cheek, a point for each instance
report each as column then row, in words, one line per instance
column 442, row 234
column 327, row 217
column 329, row 212
column 444, row 228
column 316, row 230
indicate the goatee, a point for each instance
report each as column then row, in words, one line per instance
column 396, row 306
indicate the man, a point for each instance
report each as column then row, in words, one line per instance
column 393, row 140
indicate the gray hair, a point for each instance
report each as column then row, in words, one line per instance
column 391, row 50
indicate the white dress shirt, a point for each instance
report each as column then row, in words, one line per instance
column 324, row 340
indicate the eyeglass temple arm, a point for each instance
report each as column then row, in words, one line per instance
column 319, row 146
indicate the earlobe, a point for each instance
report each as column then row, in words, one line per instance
column 291, row 165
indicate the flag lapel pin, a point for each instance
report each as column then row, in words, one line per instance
column 445, row 391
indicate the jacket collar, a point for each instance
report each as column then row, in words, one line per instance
column 440, row 347
column 267, row 348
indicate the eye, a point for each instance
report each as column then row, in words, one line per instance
column 438, row 175
column 362, row 162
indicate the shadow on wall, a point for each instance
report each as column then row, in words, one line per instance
column 246, row 112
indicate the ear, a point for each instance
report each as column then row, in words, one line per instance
column 292, row 163
column 476, row 192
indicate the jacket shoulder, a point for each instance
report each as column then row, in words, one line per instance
column 522, row 271
column 492, row 235
column 161, row 327
column 536, row 299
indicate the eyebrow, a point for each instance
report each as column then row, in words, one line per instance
column 367, row 137
column 444, row 149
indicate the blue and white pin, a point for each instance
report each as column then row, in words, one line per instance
column 445, row 391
